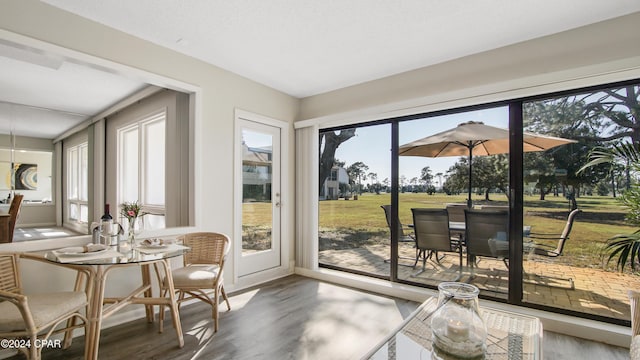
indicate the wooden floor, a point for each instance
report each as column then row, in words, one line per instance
column 291, row 318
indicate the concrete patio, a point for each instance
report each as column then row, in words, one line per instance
column 595, row 291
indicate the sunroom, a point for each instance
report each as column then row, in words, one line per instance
column 251, row 155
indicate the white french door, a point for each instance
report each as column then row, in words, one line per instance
column 258, row 170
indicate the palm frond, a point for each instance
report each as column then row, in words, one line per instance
column 626, row 248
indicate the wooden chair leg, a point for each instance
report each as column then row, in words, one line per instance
column 216, row 300
column 161, row 313
column 226, row 299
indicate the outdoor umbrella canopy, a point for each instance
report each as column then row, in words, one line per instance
column 476, row 138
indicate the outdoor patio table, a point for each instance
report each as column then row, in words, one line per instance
column 101, row 265
column 510, row 336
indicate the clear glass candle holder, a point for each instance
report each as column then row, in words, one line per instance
column 458, row 328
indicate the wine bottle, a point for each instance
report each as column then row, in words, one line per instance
column 107, row 221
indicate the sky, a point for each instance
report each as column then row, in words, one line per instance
column 372, row 145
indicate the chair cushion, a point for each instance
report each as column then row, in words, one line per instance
column 44, row 309
column 196, row 276
column 635, row 348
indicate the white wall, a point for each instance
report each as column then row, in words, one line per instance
column 594, row 54
column 218, row 94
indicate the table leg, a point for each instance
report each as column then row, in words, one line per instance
column 95, row 313
column 175, row 313
column 146, row 280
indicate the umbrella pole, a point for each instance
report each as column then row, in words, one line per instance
column 470, row 172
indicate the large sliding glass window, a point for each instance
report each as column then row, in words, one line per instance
column 355, row 182
column 528, row 218
column 568, row 271
column 434, row 189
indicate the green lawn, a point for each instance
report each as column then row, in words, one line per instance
column 349, row 223
column 355, row 223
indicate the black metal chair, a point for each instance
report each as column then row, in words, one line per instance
column 486, row 235
column 431, row 229
column 402, row 237
column 550, row 245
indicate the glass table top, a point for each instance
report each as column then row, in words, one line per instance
column 112, row 256
column 510, row 336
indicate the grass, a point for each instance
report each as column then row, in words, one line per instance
column 353, row 223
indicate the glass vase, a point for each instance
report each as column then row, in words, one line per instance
column 457, row 327
column 133, row 230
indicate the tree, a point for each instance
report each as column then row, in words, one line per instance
column 489, row 172
column 539, row 168
column 457, row 176
column 374, row 182
column 329, row 143
column 386, row 183
column 357, row 170
column 565, row 117
column 622, row 107
column 413, row 182
column 439, row 176
column 426, row 176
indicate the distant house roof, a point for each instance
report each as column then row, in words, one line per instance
column 256, row 155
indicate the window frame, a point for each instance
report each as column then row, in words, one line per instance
column 141, row 126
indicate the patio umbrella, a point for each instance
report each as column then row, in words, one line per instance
column 476, row 138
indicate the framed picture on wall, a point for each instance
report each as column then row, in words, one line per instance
column 25, row 176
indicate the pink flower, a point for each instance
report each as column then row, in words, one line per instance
column 131, row 213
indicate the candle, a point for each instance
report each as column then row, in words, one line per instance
column 457, row 330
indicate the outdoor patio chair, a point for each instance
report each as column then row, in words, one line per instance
column 549, row 245
column 402, row 236
column 552, row 245
column 492, row 207
column 35, row 317
column 456, row 214
column 202, row 272
column 431, row 228
column 486, row 235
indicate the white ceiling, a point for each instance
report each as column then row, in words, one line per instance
column 306, row 47
column 300, row 47
column 43, row 96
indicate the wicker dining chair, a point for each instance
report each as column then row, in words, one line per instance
column 35, row 317
column 202, row 273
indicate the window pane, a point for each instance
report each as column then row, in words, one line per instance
column 437, row 185
column 84, row 213
column 571, row 272
column 154, row 164
column 73, row 211
column 354, row 185
column 257, row 210
column 153, row 222
column 129, row 165
column 73, row 173
column 84, row 172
